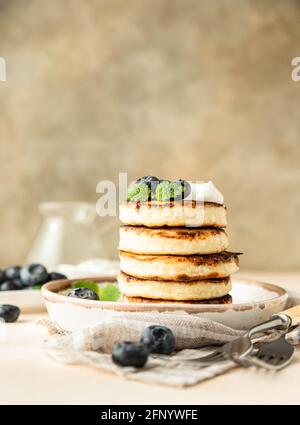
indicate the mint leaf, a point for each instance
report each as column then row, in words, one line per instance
column 37, row 286
column 109, row 293
column 138, row 192
column 87, row 284
column 106, row 292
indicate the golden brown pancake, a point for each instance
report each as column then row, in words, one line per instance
column 179, row 267
column 227, row 299
column 173, row 290
column 188, row 213
column 172, row 240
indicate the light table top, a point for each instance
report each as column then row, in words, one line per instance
column 28, row 376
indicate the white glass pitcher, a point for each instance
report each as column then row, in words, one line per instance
column 66, row 234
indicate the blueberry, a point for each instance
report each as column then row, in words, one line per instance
column 2, row 276
column 12, row 272
column 150, row 181
column 56, row 276
column 130, row 354
column 9, row 313
column 34, row 274
column 84, row 294
column 158, row 339
column 11, row 285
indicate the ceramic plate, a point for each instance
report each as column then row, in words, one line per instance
column 252, row 302
column 28, row 300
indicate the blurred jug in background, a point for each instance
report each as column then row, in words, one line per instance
column 66, row 234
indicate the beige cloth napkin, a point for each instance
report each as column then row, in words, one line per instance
column 92, row 346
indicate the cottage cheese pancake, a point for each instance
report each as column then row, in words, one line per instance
column 173, row 240
column 175, row 290
column 189, row 213
column 227, row 299
column 174, row 267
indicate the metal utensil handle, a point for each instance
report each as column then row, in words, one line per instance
column 294, row 314
column 278, row 321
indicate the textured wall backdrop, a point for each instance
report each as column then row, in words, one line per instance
column 178, row 88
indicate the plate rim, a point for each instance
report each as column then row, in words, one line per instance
column 49, row 293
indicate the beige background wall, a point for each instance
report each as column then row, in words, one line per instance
column 177, row 88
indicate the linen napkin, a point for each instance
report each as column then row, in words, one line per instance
column 92, row 346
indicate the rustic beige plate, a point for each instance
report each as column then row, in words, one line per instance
column 253, row 302
column 28, row 300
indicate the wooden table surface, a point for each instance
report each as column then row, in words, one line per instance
column 28, row 376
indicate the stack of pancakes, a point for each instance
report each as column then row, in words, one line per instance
column 175, row 252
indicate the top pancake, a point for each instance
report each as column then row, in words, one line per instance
column 187, row 213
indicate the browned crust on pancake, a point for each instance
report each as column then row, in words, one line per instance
column 171, row 204
column 210, row 260
column 186, row 233
column 223, row 280
column 226, row 299
column 207, row 259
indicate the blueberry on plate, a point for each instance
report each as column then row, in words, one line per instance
column 11, row 285
column 12, row 273
column 151, row 182
column 56, row 276
column 9, row 313
column 84, row 294
column 34, row 274
column 158, row 339
column 130, row 354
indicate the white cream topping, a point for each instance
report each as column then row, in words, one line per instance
column 92, row 267
column 206, row 192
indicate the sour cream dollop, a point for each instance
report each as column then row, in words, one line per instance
column 206, row 192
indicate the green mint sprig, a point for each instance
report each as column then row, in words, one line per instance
column 106, row 292
column 109, row 293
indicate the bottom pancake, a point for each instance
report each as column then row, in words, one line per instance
column 174, row 290
column 227, row 299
